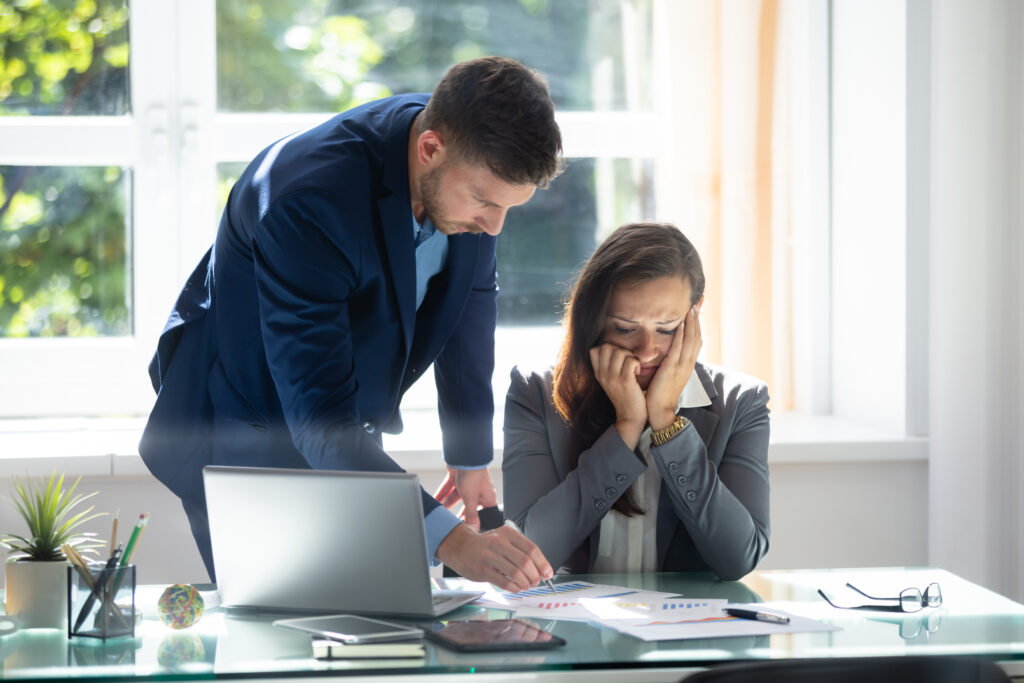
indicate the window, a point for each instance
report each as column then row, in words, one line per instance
column 113, row 169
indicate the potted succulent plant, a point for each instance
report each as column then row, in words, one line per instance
column 35, row 574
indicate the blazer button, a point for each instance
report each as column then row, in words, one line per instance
column 673, row 466
column 691, row 496
column 600, row 504
column 610, row 492
column 369, row 427
column 682, row 480
column 622, row 478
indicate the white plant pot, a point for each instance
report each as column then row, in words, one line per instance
column 37, row 593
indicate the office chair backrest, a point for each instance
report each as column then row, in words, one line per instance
column 910, row 669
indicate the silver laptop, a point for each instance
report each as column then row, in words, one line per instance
column 322, row 541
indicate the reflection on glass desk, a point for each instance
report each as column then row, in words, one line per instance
column 971, row 620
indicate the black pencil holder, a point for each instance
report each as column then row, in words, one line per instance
column 101, row 602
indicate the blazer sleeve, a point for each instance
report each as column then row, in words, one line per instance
column 725, row 509
column 463, row 371
column 557, row 507
column 305, row 274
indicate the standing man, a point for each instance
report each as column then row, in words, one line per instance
column 349, row 258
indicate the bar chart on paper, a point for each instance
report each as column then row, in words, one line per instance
column 567, row 597
column 635, row 605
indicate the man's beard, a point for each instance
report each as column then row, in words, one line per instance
column 433, row 208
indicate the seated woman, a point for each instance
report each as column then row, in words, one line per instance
column 629, row 455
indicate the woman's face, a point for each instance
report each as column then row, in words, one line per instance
column 643, row 317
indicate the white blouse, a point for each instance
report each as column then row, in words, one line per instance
column 629, row 544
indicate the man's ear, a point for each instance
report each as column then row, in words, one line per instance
column 430, row 149
column 700, row 303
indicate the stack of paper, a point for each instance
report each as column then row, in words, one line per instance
column 648, row 615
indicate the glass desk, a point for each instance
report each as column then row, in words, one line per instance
column 972, row 620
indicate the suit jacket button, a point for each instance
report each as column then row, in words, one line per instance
column 622, row 478
column 691, row 496
column 369, row 427
column 600, row 504
column 682, row 480
column 610, row 492
column 673, row 466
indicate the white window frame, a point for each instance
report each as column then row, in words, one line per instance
column 174, row 139
column 107, row 376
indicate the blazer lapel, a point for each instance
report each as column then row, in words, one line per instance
column 396, row 226
column 446, row 297
column 704, row 420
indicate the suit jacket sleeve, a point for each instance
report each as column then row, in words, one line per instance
column 463, row 370
column 305, row 274
column 557, row 508
column 725, row 507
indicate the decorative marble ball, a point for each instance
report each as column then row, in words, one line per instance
column 180, row 606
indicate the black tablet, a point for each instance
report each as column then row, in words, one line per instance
column 501, row 634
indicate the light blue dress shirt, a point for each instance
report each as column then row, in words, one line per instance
column 431, row 255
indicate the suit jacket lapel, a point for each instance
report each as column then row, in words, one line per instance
column 396, row 226
column 446, row 298
column 704, row 419
column 395, row 208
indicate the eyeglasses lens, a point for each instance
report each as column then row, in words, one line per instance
column 933, row 595
column 910, row 600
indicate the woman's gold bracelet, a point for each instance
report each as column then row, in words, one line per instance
column 660, row 436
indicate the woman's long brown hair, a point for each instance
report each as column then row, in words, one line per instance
column 634, row 253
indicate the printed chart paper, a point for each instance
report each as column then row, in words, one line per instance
column 635, row 605
column 689, row 624
column 567, row 596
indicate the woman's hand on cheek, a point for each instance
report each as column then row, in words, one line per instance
column 615, row 370
column 675, row 370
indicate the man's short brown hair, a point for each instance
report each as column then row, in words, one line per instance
column 496, row 112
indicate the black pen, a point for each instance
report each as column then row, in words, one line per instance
column 756, row 616
column 98, row 587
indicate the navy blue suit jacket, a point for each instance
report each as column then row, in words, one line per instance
column 295, row 337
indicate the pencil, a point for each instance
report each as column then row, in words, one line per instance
column 79, row 564
column 133, row 539
column 113, row 530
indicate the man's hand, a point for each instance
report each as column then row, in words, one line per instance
column 674, row 372
column 473, row 487
column 502, row 556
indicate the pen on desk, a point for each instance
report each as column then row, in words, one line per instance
column 547, row 582
column 756, row 616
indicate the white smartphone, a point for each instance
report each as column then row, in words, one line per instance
column 350, row 628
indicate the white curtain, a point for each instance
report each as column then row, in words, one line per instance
column 726, row 174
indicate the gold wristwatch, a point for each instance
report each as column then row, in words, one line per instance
column 660, row 436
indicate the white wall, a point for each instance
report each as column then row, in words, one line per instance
column 977, row 292
column 869, row 212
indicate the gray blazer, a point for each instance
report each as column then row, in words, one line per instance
column 713, row 507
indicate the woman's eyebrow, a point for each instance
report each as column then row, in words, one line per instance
column 633, row 322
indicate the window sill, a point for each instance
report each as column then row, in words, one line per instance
column 109, row 446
